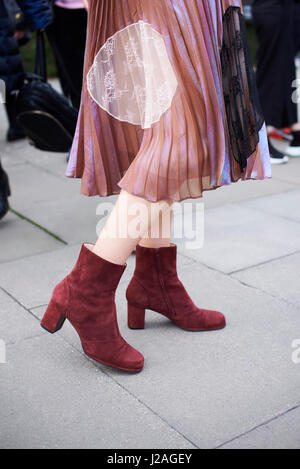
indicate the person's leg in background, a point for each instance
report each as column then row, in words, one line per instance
column 67, row 36
column 15, row 131
column 294, row 148
column 274, row 24
column 4, row 192
column 297, row 26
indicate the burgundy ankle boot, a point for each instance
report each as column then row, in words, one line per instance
column 86, row 297
column 156, row 286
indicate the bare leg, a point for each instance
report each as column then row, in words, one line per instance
column 158, row 234
column 128, row 224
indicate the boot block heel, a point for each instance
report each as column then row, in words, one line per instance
column 53, row 320
column 136, row 317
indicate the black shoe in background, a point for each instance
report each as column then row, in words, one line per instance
column 294, row 148
column 276, row 156
column 4, row 193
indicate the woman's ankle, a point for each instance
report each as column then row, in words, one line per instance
column 155, row 243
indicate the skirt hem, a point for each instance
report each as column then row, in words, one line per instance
column 173, row 199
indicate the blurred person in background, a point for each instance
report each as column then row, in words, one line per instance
column 274, row 22
column 67, row 36
column 10, row 65
column 39, row 15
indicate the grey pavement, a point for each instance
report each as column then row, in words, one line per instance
column 236, row 388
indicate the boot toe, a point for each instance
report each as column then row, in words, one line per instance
column 202, row 320
column 215, row 320
column 133, row 360
column 115, row 353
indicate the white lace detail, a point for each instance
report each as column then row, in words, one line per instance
column 132, row 77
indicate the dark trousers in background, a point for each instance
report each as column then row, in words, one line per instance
column 4, row 192
column 275, row 27
column 67, row 36
column 10, row 107
column 297, row 27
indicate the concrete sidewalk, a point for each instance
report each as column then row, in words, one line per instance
column 238, row 388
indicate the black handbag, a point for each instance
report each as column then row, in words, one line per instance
column 45, row 115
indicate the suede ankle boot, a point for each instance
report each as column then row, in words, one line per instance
column 86, row 297
column 156, row 286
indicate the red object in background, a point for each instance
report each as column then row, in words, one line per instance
column 281, row 134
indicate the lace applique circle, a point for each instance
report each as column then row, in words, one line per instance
column 132, row 78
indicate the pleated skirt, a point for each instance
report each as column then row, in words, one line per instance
column 169, row 103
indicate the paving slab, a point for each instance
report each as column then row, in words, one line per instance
column 55, row 203
column 32, row 186
column 285, row 205
column 22, row 152
column 214, row 386
column 19, row 239
column 54, row 163
column 73, row 219
column 10, row 154
column 288, row 172
column 279, row 278
column 281, row 433
column 15, row 322
column 238, row 237
column 246, row 190
column 32, row 279
column 54, row 398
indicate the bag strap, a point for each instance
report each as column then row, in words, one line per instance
column 40, row 56
column 60, row 61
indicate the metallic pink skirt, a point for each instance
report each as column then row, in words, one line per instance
column 169, row 104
